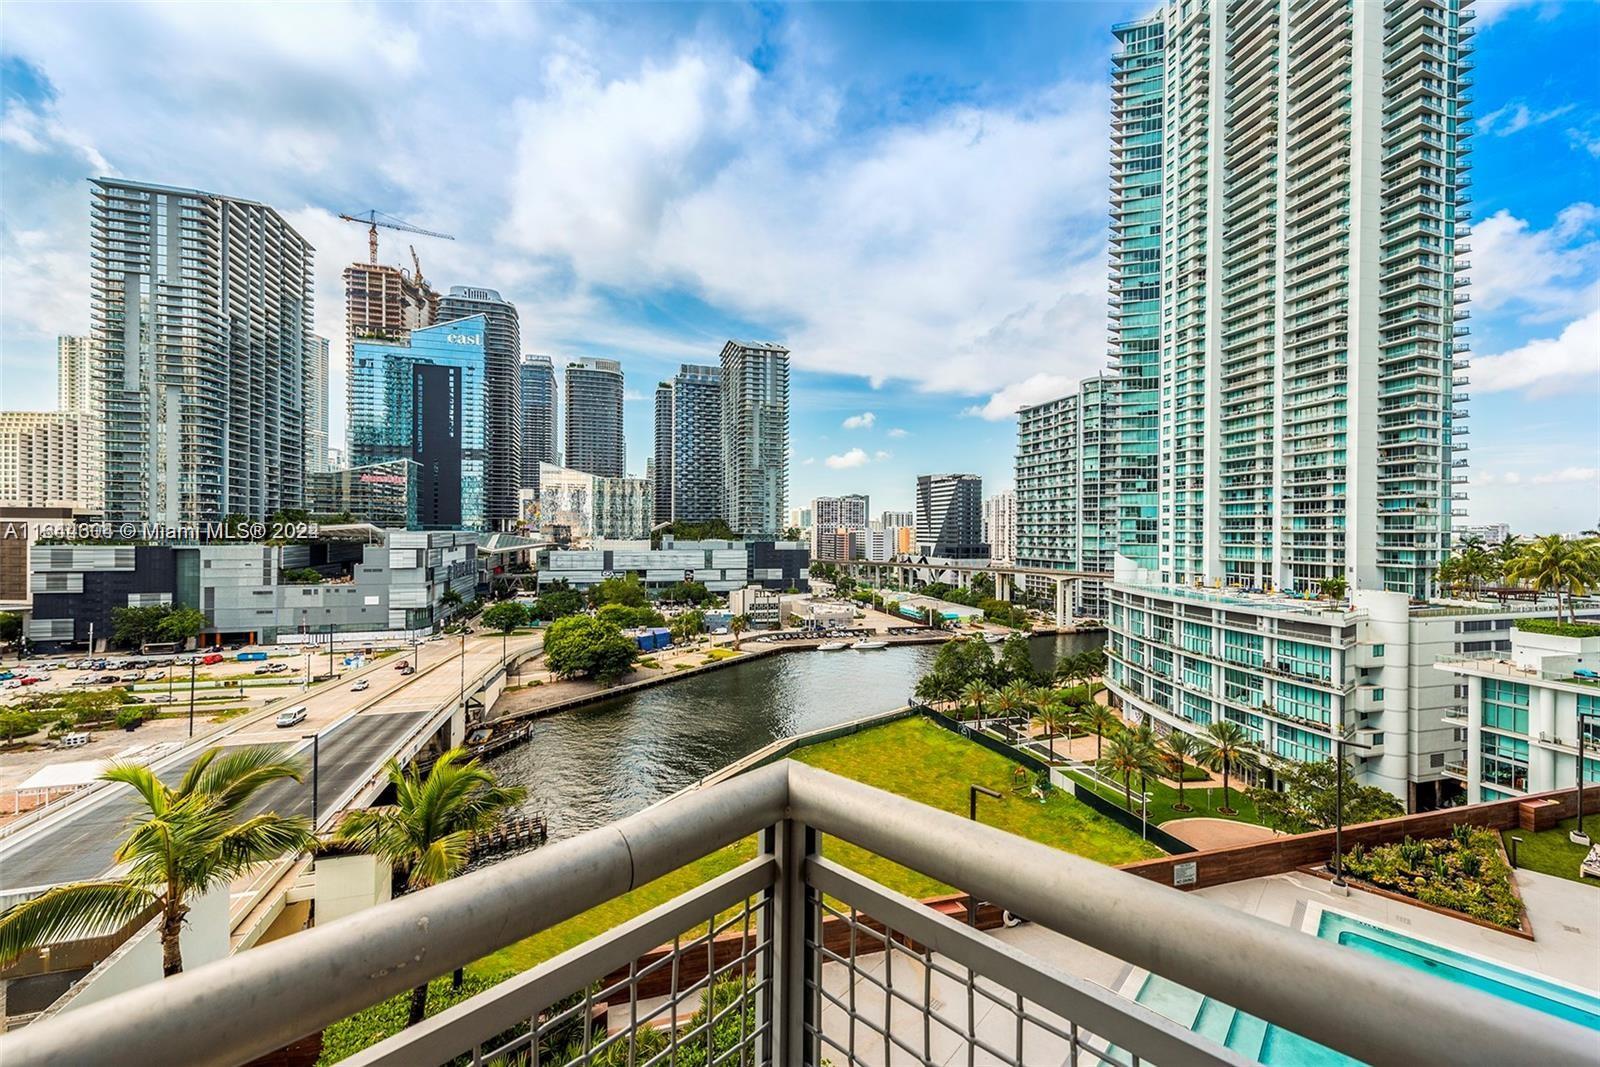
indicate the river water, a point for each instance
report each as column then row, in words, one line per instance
column 595, row 764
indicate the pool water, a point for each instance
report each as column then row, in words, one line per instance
column 1260, row 1040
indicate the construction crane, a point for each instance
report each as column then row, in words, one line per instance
column 373, row 218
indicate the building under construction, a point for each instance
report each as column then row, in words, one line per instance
column 386, row 303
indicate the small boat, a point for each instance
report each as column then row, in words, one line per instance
column 833, row 646
column 867, row 646
column 994, row 639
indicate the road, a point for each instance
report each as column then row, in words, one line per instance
column 352, row 743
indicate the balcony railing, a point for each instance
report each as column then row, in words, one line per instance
column 791, row 958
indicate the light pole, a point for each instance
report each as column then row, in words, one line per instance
column 315, row 767
column 330, row 651
column 192, row 665
column 972, row 813
column 463, row 672
column 1340, row 740
column 1578, row 836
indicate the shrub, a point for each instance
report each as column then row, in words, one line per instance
column 1558, row 629
column 130, row 718
column 1464, row 872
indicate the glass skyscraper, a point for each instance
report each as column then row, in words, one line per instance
column 422, row 399
column 501, row 417
column 755, row 437
column 201, row 318
column 538, row 417
column 594, row 417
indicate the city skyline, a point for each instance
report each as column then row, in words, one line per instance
column 868, row 415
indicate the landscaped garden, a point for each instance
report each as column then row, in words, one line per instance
column 1552, row 852
column 1462, row 872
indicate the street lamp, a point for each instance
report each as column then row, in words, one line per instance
column 1578, row 836
column 315, row 767
column 972, row 813
column 1340, row 740
column 192, row 665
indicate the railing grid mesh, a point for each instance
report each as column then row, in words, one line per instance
column 701, row 1001
column 880, row 998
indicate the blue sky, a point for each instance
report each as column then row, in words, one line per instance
column 912, row 197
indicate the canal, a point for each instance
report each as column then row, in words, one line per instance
column 593, row 765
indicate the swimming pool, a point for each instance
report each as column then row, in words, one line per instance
column 1260, row 1040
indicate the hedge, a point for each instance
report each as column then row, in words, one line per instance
column 1558, row 629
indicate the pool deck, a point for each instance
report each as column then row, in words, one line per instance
column 1564, row 914
column 1565, row 917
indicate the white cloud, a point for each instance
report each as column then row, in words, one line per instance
column 1035, row 389
column 881, row 455
column 1546, row 366
column 898, row 432
column 862, row 421
column 1568, row 475
column 1544, row 271
column 808, row 461
column 1584, row 139
column 1516, row 116
column 1491, row 11
column 853, row 458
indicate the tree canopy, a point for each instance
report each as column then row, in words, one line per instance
column 582, row 646
column 1306, row 799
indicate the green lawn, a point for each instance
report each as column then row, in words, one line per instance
column 1550, row 852
column 1202, row 802
column 910, row 757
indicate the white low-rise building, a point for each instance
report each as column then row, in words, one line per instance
column 1527, row 711
column 1293, row 670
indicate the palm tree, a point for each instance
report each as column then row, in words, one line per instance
column 1050, row 715
column 1128, row 752
column 1505, row 554
column 1225, row 746
column 1013, row 698
column 1554, row 563
column 193, row 838
column 977, row 693
column 1180, row 747
column 1102, row 722
column 427, row 832
column 738, row 625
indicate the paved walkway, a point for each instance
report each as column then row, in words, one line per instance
column 1205, row 833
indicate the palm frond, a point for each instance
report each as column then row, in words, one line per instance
column 265, row 837
column 69, row 912
column 233, row 777
column 441, row 860
column 144, row 782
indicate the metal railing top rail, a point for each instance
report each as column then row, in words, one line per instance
column 253, row 1003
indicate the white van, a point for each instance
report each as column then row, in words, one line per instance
column 292, row 717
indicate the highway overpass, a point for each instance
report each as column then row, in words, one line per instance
column 356, row 733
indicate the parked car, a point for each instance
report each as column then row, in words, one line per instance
column 107, row 679
column 360, row 686
column 292, row 717
column 262, row 670
column 154, row 675
column 278, row 668
column 31, row 680
column 211, row 657
column 13, row 683
column 84, row 679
